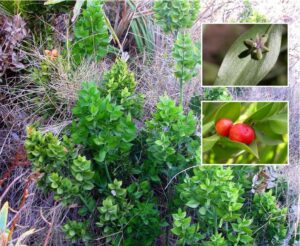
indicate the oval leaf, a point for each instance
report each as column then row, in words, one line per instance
column 265, row 111
column 239, row 68
column 252, row 148
column 229, row 110
column 206, row 128
column 209, row 142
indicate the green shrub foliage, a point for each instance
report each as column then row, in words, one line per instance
column 115, row 174
column 63, row 170
column 171, row 141
column 76, row 231
column 187, row 233
column 218, row 200
column 272, row 218
column 119, row 83
column 138, row 221
column 176, row 14
column 187, row 57
column 91, row 38
column 102, row 127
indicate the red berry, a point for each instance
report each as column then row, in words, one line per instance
column 242, row 133
column 223, row 126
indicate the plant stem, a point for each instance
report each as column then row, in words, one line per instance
column 181, row 91
column 216, row 222
column 107, row 173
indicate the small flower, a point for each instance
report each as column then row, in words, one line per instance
column 257, row 46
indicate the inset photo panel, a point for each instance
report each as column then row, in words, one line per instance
column 245, row 55
column 241, row 133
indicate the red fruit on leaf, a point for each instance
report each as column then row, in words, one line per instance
column 242, row 133
column 223, row 127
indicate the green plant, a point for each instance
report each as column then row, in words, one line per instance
column 217, row 201
column 187, row 57
column 119, row 83
column 252, row 65
column 62, row 169
column 171, row 140
column 76, row 231
column 182, row 228
column 91, row 33
column 209, row 94
column 177, row 14
column 267, row 119
column 103, row 129
column 269, row 218
column 251, row 16
column 134, row 220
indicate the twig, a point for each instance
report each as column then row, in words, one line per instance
column 182, row 171
column 50, row 224
column 10, row 185
column 31, row 178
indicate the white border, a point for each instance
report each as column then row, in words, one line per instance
column 236, row 86
column 258, row 164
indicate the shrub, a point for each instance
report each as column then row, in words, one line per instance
column 119, row 83
column 182, row 228
column 91, row 33
column 76, row 231
column 269, row 218
column 136, row 221
column 217, row 201
column 103, row 129
column 171, row 141
column 187, row 57
column 176, row 14
column 62, row 169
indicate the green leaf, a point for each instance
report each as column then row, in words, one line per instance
column 101, row 156
column 265, row 111
column 266, row 139
column 278, row 123
column 52, row 2
column 252, row 148
column 206, row 128
column 209, row 142
column 238, row 68
column 229, row 110
column 202, row 210
column 192, row 203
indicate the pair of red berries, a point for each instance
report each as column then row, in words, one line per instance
column 242, row 133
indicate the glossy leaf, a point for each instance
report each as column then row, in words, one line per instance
column 209, row 142
column 229, row 110
column 206, row 128
column 266, row 110
column 252, row 148
column 239, row 68
column 278, row 124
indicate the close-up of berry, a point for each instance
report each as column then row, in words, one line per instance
column 223, row 127
column 242, row 133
